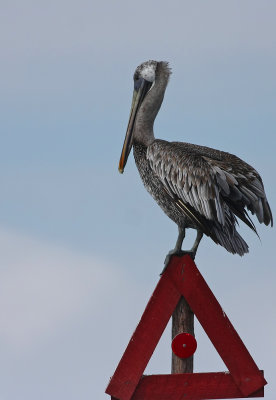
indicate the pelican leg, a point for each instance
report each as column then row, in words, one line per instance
column 177, row 250
column 196, row 243
column 179, row 241
column 192, row 252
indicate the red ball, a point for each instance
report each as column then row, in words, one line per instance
column 184, row 345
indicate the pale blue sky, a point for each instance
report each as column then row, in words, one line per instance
column 81, row 245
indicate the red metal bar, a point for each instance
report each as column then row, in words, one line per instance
column 144, row 340
column 190, row 283
column 196, row 386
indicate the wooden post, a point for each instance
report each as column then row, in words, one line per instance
column 182, row 321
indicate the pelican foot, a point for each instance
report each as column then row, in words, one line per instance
column 178, row 254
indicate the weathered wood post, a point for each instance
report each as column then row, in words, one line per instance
column 182, row 321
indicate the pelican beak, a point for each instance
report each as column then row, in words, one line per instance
column 141, row 88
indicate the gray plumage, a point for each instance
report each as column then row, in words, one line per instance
column 197, row 187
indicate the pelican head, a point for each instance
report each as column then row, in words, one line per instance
column 144, row 79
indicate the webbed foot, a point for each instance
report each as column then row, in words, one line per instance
column 178, row 253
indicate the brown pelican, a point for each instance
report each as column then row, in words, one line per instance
column 197, row 187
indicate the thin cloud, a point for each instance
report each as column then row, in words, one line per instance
column 43, row 287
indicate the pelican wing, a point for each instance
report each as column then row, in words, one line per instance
column 208, row 182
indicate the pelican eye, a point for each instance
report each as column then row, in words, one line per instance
column 138, row 83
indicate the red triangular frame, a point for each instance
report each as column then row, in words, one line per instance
column 244, row 379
